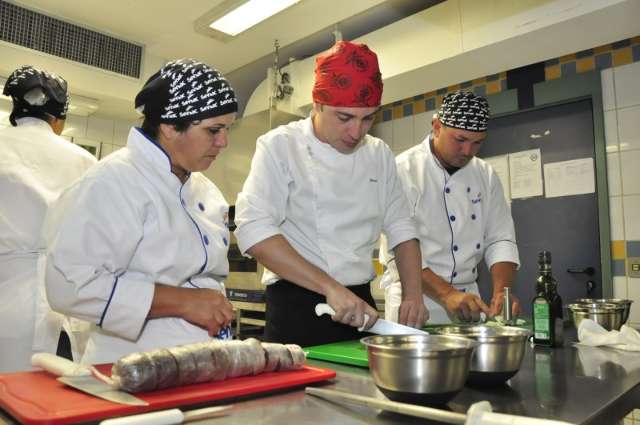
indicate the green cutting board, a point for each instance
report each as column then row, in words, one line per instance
column 352, row 352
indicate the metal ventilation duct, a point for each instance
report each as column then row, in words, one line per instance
column 40, row 32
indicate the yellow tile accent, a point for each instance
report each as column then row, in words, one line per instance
column 503, row 75
column 602, row 49
column 397, row 112
column 622, row 56
column 585, row 64
column 378, row 117
column 453, row 88
column 377, row 267
column 552, row 72
column 479, row 81
column 493, row 87
column 567, row 58
column 419, row 106
column 635, row 40
column 430, row 94
column 618, row 250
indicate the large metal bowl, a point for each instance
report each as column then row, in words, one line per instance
column 617, row 301
column 419, row 369
column 499, row 354
column 609, row 316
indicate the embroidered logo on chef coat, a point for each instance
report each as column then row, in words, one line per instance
column 225, row 218
column 225, row 333
column 477, row 199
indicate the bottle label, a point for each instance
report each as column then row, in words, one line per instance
column 541, row 321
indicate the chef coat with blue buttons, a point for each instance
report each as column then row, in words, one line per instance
column 330, row 206
column 131, row 223
column 460, row 217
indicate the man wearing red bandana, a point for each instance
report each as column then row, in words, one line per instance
column 319, row 194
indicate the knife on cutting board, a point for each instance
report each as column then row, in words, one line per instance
column 82, row 378
column 381, row 327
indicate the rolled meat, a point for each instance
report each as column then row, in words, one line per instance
column 210, row 361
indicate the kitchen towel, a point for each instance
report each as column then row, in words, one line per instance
column 592, row 334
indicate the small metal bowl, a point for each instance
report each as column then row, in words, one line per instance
column 616, row 301
column 499, row 353
column 609, row 316
column 419, row 369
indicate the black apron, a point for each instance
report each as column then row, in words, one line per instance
column 291, row 316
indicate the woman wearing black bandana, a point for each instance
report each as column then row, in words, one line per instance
column 36, row 164
column 139, row 246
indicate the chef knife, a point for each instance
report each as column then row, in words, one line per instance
column 381, row 327
column 82, row 377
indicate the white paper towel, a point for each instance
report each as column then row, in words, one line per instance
column 591, row 333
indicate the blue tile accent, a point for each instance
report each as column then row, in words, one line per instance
column 441, row 91
column 466, row 84
column 635, row 52
column 633, row 248
column 386, row 115
column 603, row 61
column 494, row 77
column 430, row 104
column 418, row 97
column 617, row 267
column 622, row 43
column 584, row 54
column 552, row 62
column 567, row 69
column 503, row 85
column 407, row 109
column 480, row 90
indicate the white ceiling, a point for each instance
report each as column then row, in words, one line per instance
column 166, row 30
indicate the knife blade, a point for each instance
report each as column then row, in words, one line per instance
column 82, row 378
column 381, row 327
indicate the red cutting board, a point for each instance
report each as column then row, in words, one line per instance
column 38, row 398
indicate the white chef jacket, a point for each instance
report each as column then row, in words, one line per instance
column 131, row 223
column 35, row 166
column 330, row 206
column 460, row 218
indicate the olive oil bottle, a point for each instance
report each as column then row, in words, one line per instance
column 547, row 306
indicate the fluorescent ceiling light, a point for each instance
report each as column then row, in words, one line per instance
column 249, row 14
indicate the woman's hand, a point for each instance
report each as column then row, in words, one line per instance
column 206, row 308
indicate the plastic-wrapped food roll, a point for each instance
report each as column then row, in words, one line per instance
column 210, row 361
column 187, row 372
column 137, row 373
column 246, row 357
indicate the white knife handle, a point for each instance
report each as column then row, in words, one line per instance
column 164, row 417
column 324, row 308
column 58, row 366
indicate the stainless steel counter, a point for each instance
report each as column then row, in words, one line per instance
column 581, row 385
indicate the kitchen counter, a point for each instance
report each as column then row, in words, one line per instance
column 581, row 385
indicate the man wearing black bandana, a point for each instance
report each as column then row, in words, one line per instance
column 36, row 164
column 458, row 203
column 139, row 246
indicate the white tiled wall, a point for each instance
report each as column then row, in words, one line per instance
column 621, row 103
column 402, row 133
column 112, row 134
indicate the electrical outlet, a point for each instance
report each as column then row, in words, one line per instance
column 633, row 266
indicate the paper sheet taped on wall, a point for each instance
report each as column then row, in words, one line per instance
column 566, row 178
column 500, row 165
column 525, row 172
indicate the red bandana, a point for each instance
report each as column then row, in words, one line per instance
column 348, row 75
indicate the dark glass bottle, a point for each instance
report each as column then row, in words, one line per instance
column 547, row 306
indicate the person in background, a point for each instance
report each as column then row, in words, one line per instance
column 319, row 193
column 36, row 164
column 462, row 216
column 138, row 247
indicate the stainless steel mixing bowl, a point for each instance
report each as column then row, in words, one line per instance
column 617, row 301
column 421, row 369
column 609, row 316
column 499, row 354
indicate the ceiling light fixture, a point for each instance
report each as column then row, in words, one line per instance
column 232, row 17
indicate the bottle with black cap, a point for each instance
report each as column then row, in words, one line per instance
column 547, row 306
